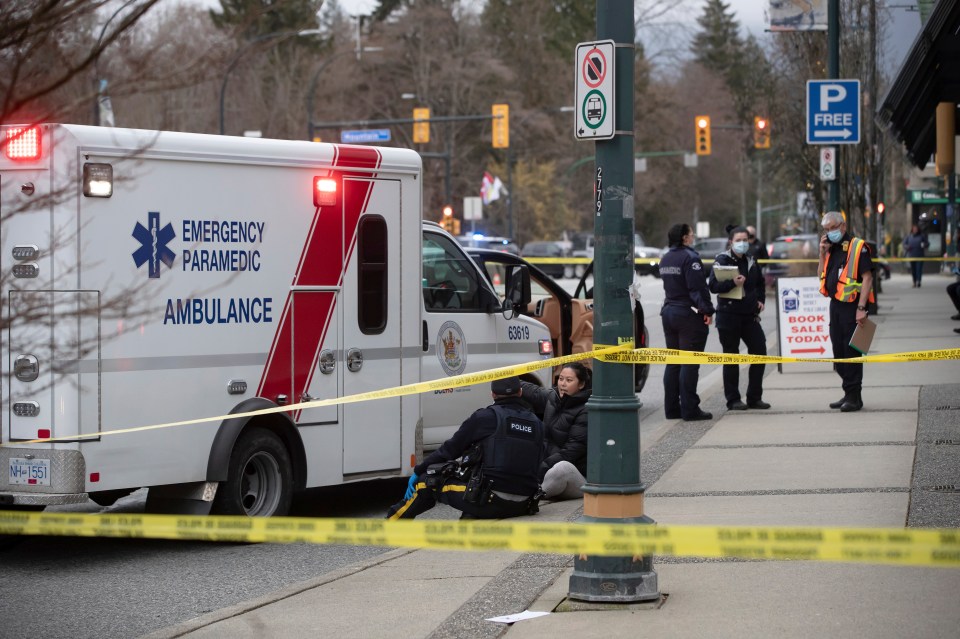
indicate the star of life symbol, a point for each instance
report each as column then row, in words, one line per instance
column 153, row 244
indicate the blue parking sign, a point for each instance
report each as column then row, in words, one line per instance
column 833, row 111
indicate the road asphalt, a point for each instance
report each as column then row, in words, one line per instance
column 896, row 463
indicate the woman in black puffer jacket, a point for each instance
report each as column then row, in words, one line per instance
column 563, row 471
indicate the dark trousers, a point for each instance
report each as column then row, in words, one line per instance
column 451, row 493
column 953, row 290
column 682, row 329
column 916, row 269
column 733, row 328
column 843, row 321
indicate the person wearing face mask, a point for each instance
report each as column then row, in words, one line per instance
column 564, row 469
column 739, row 319
column 687, row 313
column 846, row 277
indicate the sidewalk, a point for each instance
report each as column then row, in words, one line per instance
column 895, row 463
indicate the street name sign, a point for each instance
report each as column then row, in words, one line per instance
column 365, row 135
column 833, row 111
column 595, row 99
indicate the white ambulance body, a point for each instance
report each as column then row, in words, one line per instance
column 155, row 277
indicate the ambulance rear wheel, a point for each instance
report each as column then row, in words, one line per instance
column 259, row 478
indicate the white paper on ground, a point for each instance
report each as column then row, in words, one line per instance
column 518, row 616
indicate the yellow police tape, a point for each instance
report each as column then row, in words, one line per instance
column 466, row 379
column 672, row 356
column 805, row 260
column 622, row 354
column 892, row 546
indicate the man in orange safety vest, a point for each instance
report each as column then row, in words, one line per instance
column 846, row 277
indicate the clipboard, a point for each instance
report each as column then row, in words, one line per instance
column 725, row 273
column 863, row 336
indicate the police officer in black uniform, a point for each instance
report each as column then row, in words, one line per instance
column 738, row 317
column 687, row 312
column 488, row 469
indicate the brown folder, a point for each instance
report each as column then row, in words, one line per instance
column 863, row 336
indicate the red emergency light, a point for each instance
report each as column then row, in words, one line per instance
column 324, row 191
column 22, row 143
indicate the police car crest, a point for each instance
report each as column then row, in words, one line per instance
column 452, row 348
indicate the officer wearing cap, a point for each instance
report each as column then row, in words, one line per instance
column 687, row 312
column 488, row 469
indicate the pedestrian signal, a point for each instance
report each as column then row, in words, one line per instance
column 761, row 133
column 702, row 123
column 421, row 130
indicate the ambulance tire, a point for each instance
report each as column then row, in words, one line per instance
column 8, row 542
column 259, row 477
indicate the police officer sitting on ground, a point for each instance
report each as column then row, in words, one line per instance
column 846, row 272
column 500, row 449
column 687, row 312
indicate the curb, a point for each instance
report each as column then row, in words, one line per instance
column 244, row 607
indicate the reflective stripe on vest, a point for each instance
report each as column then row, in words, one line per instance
column 848, row 284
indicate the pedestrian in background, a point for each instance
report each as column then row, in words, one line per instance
column 846, row 277
column 915, row 245
column 738, row 318
column 757, row 249
column 564, row 407
column 687, row 312
column 499, row 449
column 953, row 290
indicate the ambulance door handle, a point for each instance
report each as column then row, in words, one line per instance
column 328, row 361
column 426, row 337
column 354, row 360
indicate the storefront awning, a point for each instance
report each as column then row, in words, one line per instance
column 930, row 74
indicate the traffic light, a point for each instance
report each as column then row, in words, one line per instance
column 421, row 130
column 761, row 133
column 702, row 123
column 501, row 126
column 448, row 222
column 881, row 208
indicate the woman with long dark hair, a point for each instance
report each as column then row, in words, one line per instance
column 564, row 469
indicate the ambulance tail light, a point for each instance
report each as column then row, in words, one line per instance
column 324, row 191
column 22, row 143
column 546, row 347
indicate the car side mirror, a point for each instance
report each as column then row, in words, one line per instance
column 517, row 290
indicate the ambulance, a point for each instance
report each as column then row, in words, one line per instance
column 155, row 277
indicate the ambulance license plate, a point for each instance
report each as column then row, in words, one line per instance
column 29, row 472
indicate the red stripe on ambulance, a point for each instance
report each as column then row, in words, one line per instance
column 322, row 263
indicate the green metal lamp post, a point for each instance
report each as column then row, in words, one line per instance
column 613, row 493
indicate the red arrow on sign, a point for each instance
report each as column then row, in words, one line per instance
column 820, row 350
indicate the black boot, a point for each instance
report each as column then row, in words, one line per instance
column 853, row 403
column 840, row 402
